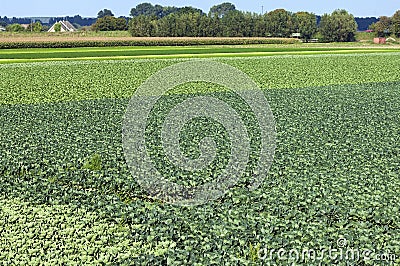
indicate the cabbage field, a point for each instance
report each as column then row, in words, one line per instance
column 67, row 196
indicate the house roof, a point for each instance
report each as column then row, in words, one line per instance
column 65, row 26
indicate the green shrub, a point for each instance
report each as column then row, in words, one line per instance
column 15, row 28
column 57, row 27
column 36, row 27
column 109, row 23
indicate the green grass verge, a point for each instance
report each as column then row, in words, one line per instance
column 40, row 55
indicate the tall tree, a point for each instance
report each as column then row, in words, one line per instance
column 109, row 23
column 142, row 26
column 279, row 23
column 340, row 26
column 36, row 27
column 259, row 29
column 233, row 24
column 143, row 9
column 167, row 10
column 221, row 9
column 396, row 23
column 104, row 13
column 147, row 9
column 383, row 27
column 306, row 24
column 190, row 9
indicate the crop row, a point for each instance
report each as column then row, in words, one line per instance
column 66, row 81
column 335, row 174
column 60, row 43
column 188, row 51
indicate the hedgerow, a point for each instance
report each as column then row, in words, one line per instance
column 145, row 42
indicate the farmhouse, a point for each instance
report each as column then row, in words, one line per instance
column 65, row 26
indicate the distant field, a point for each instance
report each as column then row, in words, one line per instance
column 76, row 34
column 107, row 53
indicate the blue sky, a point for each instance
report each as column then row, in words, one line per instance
column 89, row 8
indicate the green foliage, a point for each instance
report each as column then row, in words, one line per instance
column 340, row 26
column 93, row 163
column 157, row 11
column 387, row 25
column 221, row 10
column 254, row 252
column 189, row 22
column 142, row 26
column 222, row 21
column 147, row 9
column 57, row 27
column 109, row 23
column 383, row 27
column 306, row 24
column 15, row 28
column 234, row 24
column 396, row 23
column 277, row 72
column 279, row 23
column 365, row 36
column 35, row 27
column 104, row 13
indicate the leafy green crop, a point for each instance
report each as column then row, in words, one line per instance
column 335, row 173
column 72, row 81
column 93, row 163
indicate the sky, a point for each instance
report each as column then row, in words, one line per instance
column 90, row 8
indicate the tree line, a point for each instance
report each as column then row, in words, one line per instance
column 76, row 20
column 225, row 20
column 387, row 26
column 107, row 22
